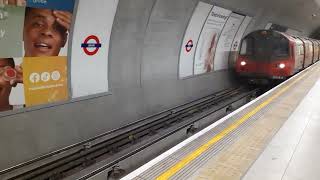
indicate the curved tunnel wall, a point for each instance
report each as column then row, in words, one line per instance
column 143, row 74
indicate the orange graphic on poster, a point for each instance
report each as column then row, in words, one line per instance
column 45, row 80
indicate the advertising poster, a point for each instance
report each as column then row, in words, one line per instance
column 191, row 37
column 16, row 97
column 90, row 47
column 225, row 41
column 235, row 47
column 45, row 80
column 42, row 38
column 11, row 29
column 208, row 40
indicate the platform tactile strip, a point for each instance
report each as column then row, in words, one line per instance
column 234, row 161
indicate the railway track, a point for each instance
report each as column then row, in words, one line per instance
column 117, row 145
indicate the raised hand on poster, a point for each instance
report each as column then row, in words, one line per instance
column 64, row 18
column 13, row 2
column 19, row 76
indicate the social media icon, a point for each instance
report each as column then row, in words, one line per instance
column 55, row 75
column 45, row 76
column 34, row 77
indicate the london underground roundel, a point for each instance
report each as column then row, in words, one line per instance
column 91, row 45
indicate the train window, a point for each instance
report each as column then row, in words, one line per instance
column 280, row 47
column 265, row 48
column 247, row 47
column 301, row 50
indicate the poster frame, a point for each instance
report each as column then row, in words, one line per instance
column 182, row 43
column 221, row 70
column 211, row 72
column 109, row 90
column 195, row 47
column 70, row 100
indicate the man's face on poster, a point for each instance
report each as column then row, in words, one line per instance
column 42, row 35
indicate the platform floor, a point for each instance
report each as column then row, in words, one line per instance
column 274, row 137
column 294, row 152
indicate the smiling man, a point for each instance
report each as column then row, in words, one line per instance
column 45, row 31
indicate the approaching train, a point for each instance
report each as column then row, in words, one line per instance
column 269, row 55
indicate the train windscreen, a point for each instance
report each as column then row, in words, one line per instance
column 265, row 47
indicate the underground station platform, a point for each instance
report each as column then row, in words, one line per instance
column 275, row 136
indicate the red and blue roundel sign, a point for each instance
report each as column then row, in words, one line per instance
column 189, row 45
column 93, row 47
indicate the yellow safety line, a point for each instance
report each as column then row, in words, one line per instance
column 186, row 160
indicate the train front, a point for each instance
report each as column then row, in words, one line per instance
column 264, row 55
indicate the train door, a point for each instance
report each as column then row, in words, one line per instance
column 311, row 52
column 305, row 48
column 318, row 42
column 316, row 54
column 308, row 53
column 298, row 55
column 315, row 51
column 318, row 51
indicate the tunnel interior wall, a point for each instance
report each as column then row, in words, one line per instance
column 143, row 74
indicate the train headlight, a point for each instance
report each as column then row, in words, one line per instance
column 243, row 63
column 281, row 66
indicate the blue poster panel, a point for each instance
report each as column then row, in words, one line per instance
column 64, row 5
